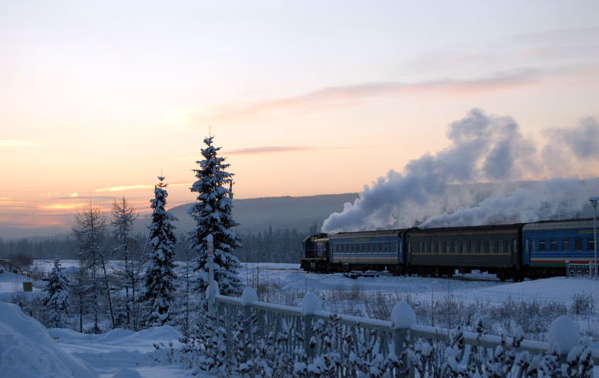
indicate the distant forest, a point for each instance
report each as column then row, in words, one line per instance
column 278, row 245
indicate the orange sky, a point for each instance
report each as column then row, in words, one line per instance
column 99, row 99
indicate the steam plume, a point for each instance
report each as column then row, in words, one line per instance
column 441, row 189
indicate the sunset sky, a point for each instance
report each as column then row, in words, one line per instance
column 99, row 98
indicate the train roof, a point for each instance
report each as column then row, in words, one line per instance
column 364, row 234
column 486, row 229
column 566, row 224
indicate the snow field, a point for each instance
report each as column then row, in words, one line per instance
column 127, row 353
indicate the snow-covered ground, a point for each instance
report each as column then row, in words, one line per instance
column 468, row 287
column 126, row 354
column 108, row 353
column 28, row 350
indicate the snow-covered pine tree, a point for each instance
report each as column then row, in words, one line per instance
column 56, row 296
column 159, row 278
column 212, row 214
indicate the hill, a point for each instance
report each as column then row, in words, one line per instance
column 258, row 214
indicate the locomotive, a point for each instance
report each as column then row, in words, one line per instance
column 516, row 251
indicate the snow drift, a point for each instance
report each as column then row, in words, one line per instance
column 28, row 351
column 442, row 190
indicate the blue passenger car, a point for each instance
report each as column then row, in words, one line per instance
column 549, row 244
column 374, row 250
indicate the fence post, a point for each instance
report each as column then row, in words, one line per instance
column 248, row 297
column 402, row 318
column 310, row 305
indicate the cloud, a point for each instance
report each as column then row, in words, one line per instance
column 16, row 143
column 552, row 48
column 137, row 186
column 266, row 150
column 342, row 96
column 125, row 187
column 60, row 206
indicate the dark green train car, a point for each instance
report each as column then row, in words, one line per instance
column 316, row 254
column 442, row 251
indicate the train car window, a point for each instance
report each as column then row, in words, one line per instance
column 553, row 244
column 534, row 245
column 514, row 246
column 591, row 244
column 409, row 247
column 473, row 246
column 566, row 244
column 500, row 246
column 491, row 246
column 542, row 247
column 578, row 244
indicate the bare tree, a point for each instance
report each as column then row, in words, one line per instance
column 90, row 232
column 123, row 216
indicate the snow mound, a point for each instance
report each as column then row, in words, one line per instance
column 311, row 304
column 155, row 334
column 115, row 334
column 249, row 296
column 28, row 351
column 402, row 315
column 127, row 373
column 564, row 334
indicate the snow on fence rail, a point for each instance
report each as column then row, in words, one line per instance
column 399, row 346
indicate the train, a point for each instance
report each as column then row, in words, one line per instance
column 511, row 251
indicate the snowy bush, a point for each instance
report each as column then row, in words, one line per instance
column 259, row 343
column 583, row 304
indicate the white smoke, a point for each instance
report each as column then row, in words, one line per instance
column 441, row 190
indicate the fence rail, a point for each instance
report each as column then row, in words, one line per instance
column 381, row 337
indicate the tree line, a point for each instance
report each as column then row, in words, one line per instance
column 270, row 245
column 132, row 281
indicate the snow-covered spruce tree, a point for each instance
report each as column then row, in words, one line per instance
column 56, row 296
column 123, row 216
column 160, row 276
column 212, row 214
